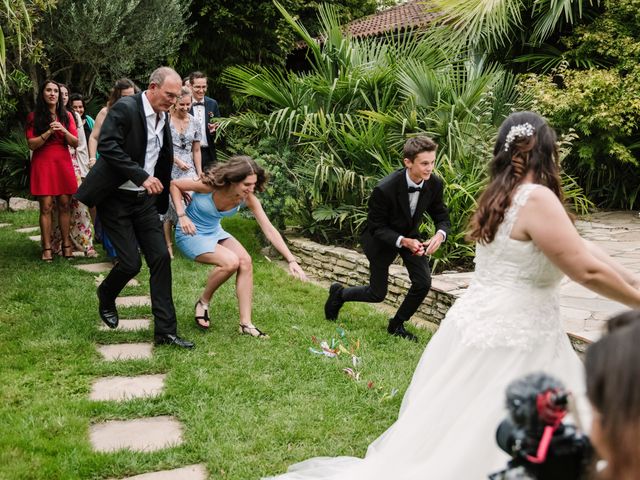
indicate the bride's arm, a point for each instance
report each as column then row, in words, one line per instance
column 545, row 221
column 628, row 276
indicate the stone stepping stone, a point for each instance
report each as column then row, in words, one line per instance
column 140, row 435
column 125, row 388
column 2, row 225
column 125, row 351
column 129, row 325
column 192, row 472
column 95, row 267
column 27, row 229
column 133, row 301
column 35, row 238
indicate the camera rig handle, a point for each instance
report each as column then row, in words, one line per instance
column 552, row 407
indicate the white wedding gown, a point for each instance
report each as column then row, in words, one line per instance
column 507, row 324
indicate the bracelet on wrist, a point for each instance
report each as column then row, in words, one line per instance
column 292, row 261
column 180, row 215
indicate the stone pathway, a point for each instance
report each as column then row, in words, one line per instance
column 129, row 325
column 2, row 225
column 28, row 229
column 583, row 312
column 126, row 388
column 192, row 472
column 140, row 434
column 125, row 351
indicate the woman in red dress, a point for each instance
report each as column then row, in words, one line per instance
column 50, row 131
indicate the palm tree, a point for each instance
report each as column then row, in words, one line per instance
column 515, row 29
column 347, row 119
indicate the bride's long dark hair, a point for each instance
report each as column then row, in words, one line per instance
column 526, row 143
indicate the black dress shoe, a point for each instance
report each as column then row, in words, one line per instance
column 399, row 331
column 107, row 311
column 334, row 303
column 169, row 339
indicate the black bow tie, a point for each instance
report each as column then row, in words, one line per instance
column 415, row 189
column 198, row 103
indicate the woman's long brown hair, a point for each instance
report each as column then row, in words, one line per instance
column 235, row 170
column 537, row 153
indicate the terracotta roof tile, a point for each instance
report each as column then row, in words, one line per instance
column 412, row 14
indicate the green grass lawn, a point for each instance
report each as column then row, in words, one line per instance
column 249, row 407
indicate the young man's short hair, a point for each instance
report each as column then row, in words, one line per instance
column 416, row 145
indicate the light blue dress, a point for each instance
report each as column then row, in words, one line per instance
column 206, row 218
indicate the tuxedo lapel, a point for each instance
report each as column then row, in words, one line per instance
column 143, row 120
column 402, row 194
column 423, row 200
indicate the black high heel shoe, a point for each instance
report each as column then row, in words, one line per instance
column 64, row 251
column 252, row 331
column 204, row 318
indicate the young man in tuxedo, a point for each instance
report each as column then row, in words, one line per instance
column 129, row 184
column 396, row 207
column 204, row 109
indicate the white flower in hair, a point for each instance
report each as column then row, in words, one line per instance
column 518, row 131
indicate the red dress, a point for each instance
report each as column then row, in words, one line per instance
column 51, row 168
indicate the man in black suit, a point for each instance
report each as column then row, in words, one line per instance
column 129, row 184
column 396, row 207
column 204, row 109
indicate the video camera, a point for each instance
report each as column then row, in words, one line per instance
column 540, row 445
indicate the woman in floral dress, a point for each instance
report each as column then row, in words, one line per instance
column 81, row 233
column 187, row 161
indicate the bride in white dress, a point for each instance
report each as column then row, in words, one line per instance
column 506, row 325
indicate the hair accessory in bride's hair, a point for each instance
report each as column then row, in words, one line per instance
column 518, row 131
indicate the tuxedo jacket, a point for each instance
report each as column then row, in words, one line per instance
column 211, row 110
column 122, row 146
column 389, row 213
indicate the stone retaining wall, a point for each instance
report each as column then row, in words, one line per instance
column 337, row 264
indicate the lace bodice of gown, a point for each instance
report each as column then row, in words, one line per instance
column 512, row 300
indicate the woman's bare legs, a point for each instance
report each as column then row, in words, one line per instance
column 244, row 279
column 166, row 226
column 64, row 220
column 226, row 263
column 46, row 206
column 231, row 257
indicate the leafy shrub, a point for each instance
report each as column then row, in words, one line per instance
column 14, row 165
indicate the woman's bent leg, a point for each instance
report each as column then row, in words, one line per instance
column 244, row 279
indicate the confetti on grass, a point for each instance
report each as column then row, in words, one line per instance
column 341, row 347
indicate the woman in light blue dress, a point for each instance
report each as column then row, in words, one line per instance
column 218, row 193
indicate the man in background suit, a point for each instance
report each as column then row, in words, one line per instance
column 129, row 184
column 204, row 109
column 396, row 207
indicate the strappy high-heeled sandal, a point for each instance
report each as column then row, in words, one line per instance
column 64, row 253
column 250, row 329
column 204, row 318
column 48, row 259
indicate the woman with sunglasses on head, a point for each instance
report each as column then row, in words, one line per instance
column 187, row 162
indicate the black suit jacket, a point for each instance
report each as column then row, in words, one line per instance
column 389, row 213
column 211, row 110
column 122, row 146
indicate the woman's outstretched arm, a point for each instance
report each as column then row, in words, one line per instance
column 274, row 236
column 545, row 221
